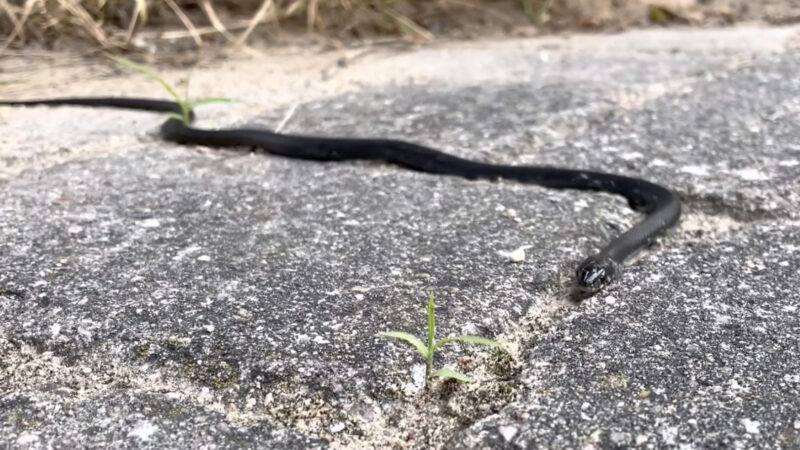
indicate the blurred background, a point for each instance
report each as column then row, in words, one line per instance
column 164, row 26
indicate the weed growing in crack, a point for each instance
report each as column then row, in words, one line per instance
column 428, row 350
column 183, row 100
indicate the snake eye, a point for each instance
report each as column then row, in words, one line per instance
column 594, row 274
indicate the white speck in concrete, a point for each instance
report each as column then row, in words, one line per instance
column 579, row 205
column 186, row 251
column 418, row 377
column 669, row 434
column 751, row 174
column 619, row 438
column 336, row 427
column 143, row 430
column 204, row 258
column 508, row 432
column 656, row 162
column 700, row 171
column 516, row 256
column 149, row 223
column 55, row 330
column 27, row 438
column 630, row 156
column 751, row 426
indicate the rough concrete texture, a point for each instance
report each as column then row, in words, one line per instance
column 167, row 296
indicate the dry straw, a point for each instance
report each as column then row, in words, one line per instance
column 128, row 24
column 116, row 24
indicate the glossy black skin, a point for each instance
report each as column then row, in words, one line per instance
column 593, row 274
column 661, row 207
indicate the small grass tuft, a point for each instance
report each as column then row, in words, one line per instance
column 428, row 351
column 183, row 100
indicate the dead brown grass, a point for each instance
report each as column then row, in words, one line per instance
column 138, row 24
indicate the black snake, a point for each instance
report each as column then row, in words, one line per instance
column 661, row 207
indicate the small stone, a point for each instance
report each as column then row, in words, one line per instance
column 619, row 438
column 508, row 432
column 750, row 426
column 751, row 174
column 27, row 438
column 336, row 427
column 418, row 375
column 150, row 223
column 516, row 256
column 700, row 171
column 143, row 430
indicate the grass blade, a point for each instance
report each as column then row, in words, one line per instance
column 409, row 338
column 431, row 323
column 209, row 100
column 452, row 374
column 475, row 340
column 157, row 78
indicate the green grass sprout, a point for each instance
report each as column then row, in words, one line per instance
column 428, row 351
column 182, row 100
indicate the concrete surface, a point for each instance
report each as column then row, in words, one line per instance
column 161, row 296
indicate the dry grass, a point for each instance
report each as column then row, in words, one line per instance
column 116, row 24
column 140, row 24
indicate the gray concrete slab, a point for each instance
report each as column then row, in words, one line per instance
column 167, row 296
column 701, row 351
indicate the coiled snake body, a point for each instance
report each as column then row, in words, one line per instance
column 661, row 207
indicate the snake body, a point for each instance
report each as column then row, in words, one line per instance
column 661, row 207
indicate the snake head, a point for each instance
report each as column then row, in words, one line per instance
column 593, row 274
